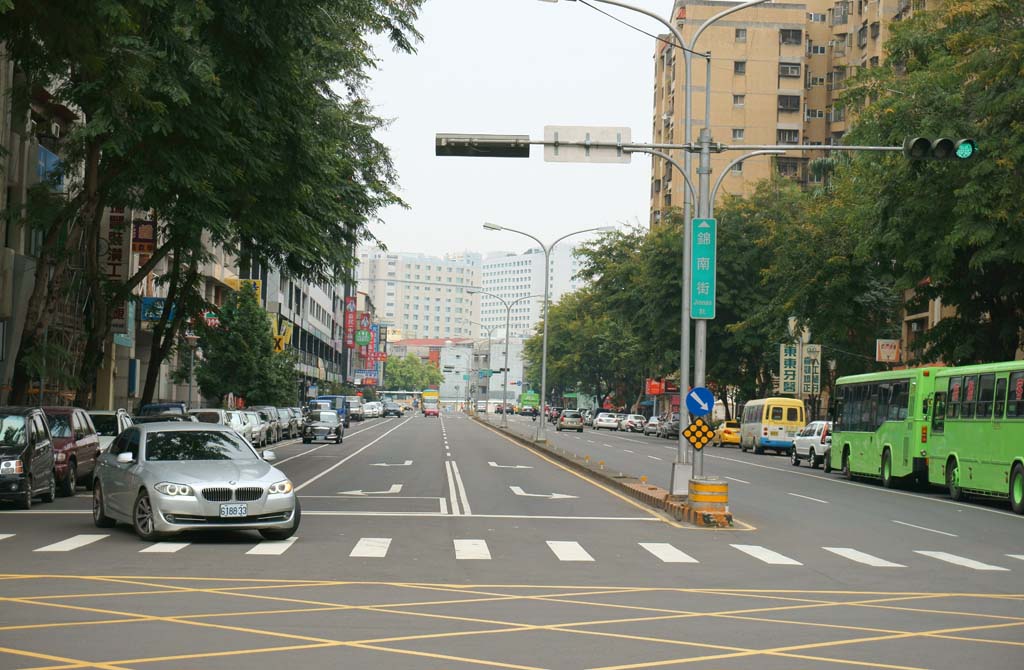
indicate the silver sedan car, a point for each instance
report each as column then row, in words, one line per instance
column 165, row 478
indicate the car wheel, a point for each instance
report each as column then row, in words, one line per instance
column 143, row 519
column 284, row 534
column 579, row 430
column 51, row 489
column 886, row 469
column 24, row 501
column 953, row 480
column 812, row 460
column 758, row 450
column 794, row 458
column 305, row 441
column 70, row 483
column 99, row 511
column 337, row 440
column 1017, row 489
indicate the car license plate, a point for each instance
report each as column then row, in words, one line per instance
column 775, row 433
column 234, row 510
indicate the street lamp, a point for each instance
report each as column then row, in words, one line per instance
column 192, row 339
column 508, row 327
column 541, row 428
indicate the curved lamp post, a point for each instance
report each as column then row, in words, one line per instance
column 541, row 428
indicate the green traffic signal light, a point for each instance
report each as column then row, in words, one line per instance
column 966, row 148
column 940, row 149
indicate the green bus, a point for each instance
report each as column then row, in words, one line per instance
column 977, row 431
column 881, row 424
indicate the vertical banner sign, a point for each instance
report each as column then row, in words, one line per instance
column 350, row 322
column 702, row 269
column 118, row 255
column 810, row 369
column 788, row 368
column 371, row 348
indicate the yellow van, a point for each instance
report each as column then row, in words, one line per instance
column 771, row 423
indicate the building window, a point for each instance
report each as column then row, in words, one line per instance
column 814, row 17
column 788, row 167
column 785, row 136
column 737, row 134
column 741, row 34
column 789, row 69
column 875, row 30
column 739, row 100
column 737, row 168
column 789, row 103
column 791, row 36
column 817, row 50
column 739, row 67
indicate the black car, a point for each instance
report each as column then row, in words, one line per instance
column 392, row 409
column 323, row 425
column 26, row 456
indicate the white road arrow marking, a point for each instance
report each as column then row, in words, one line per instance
column 514, row 467
column 551, row 496
column 391, row 465
column 395, row 488
column 696, row 399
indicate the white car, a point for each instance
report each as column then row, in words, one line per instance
column 812, row 443
column 606, row 420
column 373, row 410
column 109, row 424
column 651, row 427
column 632, row 423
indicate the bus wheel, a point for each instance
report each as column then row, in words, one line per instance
column 1017, row 488
column 846, row 464
column 828, row 462
column 886, row 469
column 953, row 480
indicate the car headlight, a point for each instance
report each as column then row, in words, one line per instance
column 280, row 487
column 172, row 489
column 15, row 467
column 60, row 458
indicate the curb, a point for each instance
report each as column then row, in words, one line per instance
column 638, row 489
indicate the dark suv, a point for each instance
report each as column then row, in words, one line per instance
column 76, row 447
column 26, row 456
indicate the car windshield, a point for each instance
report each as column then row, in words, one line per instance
column 732, row 424
column 571, row 415
column 324, row 417
column 12, row 431
column 252, row 418
column 196, row 445
column 106, row 424
column 60, row 424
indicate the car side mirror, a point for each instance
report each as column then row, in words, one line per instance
column 269, row 456
column 125, row 457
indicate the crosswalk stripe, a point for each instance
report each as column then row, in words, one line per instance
column 861, row 557
column 72, row 543
column 468, row 550
column 765, row 555
column 960, row 560
column 1019, row 557
column 371, row 547
column 4, row 536
column 272, row 547
column 569, row 551
column 667, row 553
column 164, row 548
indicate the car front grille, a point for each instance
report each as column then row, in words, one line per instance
column 217, row 494
column 247, row 493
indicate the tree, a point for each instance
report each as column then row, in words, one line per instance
column 238, row 356
column 411, row 374
column 949, row 230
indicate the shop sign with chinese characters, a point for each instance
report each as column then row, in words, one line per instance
column 788, row 368
column 702, row 269
column 118, row 230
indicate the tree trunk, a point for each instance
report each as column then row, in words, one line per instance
column 163, row 334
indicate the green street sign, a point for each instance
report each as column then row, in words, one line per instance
column 362, row 337
column 702, row 268
column 529, row 399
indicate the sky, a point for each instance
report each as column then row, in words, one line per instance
column 513, row 67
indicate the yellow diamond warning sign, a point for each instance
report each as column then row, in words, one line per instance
column 698, row 434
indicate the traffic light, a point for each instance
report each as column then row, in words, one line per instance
column 941, row 149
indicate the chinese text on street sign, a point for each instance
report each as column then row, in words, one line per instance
column 702, row 269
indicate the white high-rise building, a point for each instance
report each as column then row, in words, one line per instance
column 421, row 296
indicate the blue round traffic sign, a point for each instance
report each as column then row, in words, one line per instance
column 700, row 401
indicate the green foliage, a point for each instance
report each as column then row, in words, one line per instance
column 954, row 229
column 411, row 374
column 238, row 356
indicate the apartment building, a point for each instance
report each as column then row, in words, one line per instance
column 422, row 296
column 778, row 71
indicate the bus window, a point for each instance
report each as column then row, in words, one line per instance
column 939, row 413
column 970, row 397
column 882, row 403
column 1000, row 399
column 986, row 390
column 898, row 406
column 953, row 406
column 793, row 414
column 776, row 414
column 1015, row 401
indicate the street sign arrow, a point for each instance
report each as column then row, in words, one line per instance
column 514, row 467
column 391, row 465
column 395, row 488
column 700, row 401
column 551, row 496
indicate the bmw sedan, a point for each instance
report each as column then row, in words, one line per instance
column 165, row 478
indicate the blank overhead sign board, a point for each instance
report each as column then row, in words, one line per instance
column 575, row 144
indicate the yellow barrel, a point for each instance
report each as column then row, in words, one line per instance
column 708, row 495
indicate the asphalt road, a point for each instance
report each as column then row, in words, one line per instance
column 439, row 543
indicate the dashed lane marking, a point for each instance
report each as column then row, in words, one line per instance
column 930, row 530
column 818, row 500
column 739, row 481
